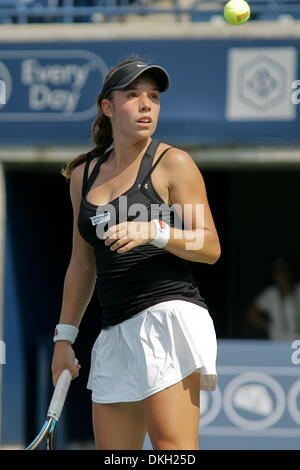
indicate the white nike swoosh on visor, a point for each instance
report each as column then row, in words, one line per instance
column 140, row 65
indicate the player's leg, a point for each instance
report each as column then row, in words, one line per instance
column 172, row 415
column 119, row 426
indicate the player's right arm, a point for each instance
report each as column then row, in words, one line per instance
column 79, row 283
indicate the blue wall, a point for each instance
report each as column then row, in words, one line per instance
column 35, row 265
column 13, row 372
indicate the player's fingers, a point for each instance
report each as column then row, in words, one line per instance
column 128, row 246
column 119, row 243
column 55, row 376
column 112, row 236
column 75, row 371
column 111, row 233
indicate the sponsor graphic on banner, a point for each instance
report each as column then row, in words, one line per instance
column 256, row 404
column 259, row 83
column 50, row 85
column 243, row 95
column 2, row 92
column 5, row 85
column 257, row 401
column 2, row 352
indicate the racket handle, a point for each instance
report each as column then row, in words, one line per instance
column 59, row 394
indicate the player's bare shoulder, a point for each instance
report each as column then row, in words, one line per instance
column 176, row 157
column 76, row 181
column 78, row 173
column 177, row 164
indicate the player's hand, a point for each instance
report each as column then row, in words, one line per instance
column 63, row 358
column 127, row 235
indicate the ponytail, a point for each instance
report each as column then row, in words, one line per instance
column 102, row 136
column 101, row 130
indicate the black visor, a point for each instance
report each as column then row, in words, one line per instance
column 129, row 72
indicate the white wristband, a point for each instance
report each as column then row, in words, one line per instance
column 162, row 233
column 65, row 333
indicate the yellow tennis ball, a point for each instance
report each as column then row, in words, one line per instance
column 236, row 12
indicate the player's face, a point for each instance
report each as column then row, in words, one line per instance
column 136, row 109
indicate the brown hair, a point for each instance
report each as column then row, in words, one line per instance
column 101, row 128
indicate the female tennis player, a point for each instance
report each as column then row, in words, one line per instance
column 140, row 214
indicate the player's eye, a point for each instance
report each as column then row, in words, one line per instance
column 131, row 94
column 155, row 96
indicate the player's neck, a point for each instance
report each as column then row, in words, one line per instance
column 127, row 152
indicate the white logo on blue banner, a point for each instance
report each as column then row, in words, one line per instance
column 294, row 401
column 259, row 83
column 5, row 85
column 52, row 85
column 2, row 92
column 2, row 352
column 254, row 401
column 210, row 406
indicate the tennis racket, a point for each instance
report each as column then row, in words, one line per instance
column 54, row 411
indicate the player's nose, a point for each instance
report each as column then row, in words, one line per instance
column 144, row 102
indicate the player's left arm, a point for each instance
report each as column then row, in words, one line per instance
column 198, row 241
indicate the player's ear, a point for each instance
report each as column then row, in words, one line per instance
column 107, row 107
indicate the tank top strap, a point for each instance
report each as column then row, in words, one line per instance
column 85, row 173
column 89, row 180
column 147, row 160
column 151, row 150
column 154, row 166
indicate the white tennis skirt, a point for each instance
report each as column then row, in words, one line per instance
column 153, row 350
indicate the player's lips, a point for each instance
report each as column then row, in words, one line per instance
column 144, row 120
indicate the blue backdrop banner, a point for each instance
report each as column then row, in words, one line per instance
column 256, row 405
column 257, row 401
column 222, row 91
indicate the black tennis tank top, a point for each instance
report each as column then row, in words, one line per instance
column 133, row 281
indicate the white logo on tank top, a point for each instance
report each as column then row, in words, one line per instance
column 100, row 218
